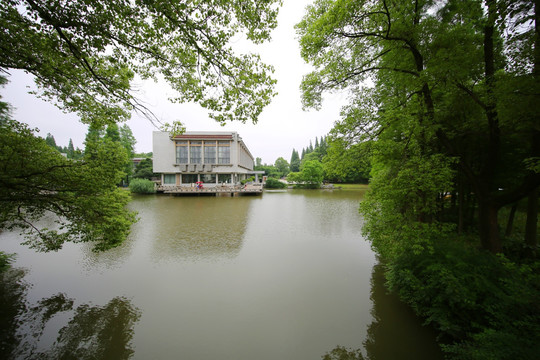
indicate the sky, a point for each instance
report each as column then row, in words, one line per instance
column 282, row 126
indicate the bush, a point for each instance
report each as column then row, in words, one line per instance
column 485, row 306
column 275, row 184
column 142, row 186
column 251, row 179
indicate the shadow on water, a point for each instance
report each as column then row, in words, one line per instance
column 395, row 333
column 54, row 328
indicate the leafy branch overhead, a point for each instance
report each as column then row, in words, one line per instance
column 85, row 54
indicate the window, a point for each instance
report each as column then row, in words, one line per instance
column 210, row 152
column 169, row 179
column 224, row 152
column 195, row 152
column 224, row 178
column 181, row 152
column 189, row 178
column 208, row 178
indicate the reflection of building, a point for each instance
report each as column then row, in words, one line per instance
column 213, row 158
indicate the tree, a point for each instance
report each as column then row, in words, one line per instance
column 440, row 72
column 452, row 114
column 103, row 46
column 36, row 179
column 50, row 141
column 70, row 150
column 144, row 170
column 312, row 173
column 282, row 166
column 128, row 142
column 347, row 163
column 295, row 161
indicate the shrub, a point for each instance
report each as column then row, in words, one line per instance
column 485, row 306
column 275, row 184
column 251, row 179
column 142, row 186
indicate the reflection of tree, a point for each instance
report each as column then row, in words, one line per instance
column 12, row 292
column 342, row 353
column 93, row 332
column 395, row 333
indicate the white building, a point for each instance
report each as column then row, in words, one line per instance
column 213, row 158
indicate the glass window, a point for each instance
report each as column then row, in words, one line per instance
column 181, row 154
column 224, row 178
column 195, row 152
column 169, row 179
column 224, row 152
column 189, row 178
column 210, row 152
column 208, row 178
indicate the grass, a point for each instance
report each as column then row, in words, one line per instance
column 352, row 186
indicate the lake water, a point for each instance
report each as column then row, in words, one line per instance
column 286, row 275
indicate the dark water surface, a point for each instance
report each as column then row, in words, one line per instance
column 282, row 276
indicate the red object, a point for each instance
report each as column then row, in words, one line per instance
column 199, row 184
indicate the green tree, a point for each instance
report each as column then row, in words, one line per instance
column 103, row 47
column 50, row 141
column 282, row 166
column 453, row 113
column 128, row 142
column 37, row 179
column 347, row 163
column 70, row 150
column 440, row 72
column 312, row 174
column 144, row 170
column 295, row 161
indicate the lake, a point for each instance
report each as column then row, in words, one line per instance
column 285, row 275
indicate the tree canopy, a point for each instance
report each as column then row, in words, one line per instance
column 37, row 181
column 447, row 95
column 85, row 54
column 447, row 78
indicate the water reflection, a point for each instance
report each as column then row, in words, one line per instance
column 55, row 328
column 395, row 332
column 195, row 228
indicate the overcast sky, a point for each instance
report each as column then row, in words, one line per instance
column 282, row 126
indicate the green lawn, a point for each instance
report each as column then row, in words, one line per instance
column 352, row 186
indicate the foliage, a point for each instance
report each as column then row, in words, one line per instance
column 5, row 261
column 485, row 306
column 269, row 170
column 245, row 181
column 446, row 96
column 349, row 164
column 37, row 180
column 144, row 170
column 142, row 186
column 310, row 176
column 85, row 55
column 342, row 353
column 272, row 183
column 312, row 173
column 295, row 161
column 282, row 166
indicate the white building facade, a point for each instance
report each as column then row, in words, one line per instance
column 213, row 158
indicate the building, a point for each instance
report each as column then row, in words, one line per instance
column 211, row 158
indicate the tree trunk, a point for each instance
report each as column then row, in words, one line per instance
column 510, row 224
column 490, row 238
column 532, row 222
